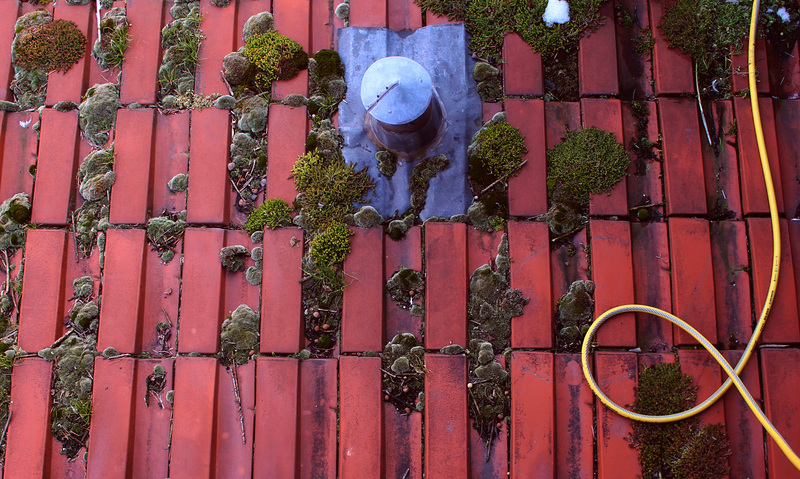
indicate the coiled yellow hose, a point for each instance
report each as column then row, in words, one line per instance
column 733, row 374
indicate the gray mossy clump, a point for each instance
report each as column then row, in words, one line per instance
column 326, row 85
column 90, row 219
column 492, row 304
column 367, row 217
column 9, row 106
column 295, row 100
column 565, row 218
column 405, row 359
column 15, row 212
column 489, row 86
column 225, row 102
column 257, row 24
column 95, row 174
column 233, row 257
column 452, row 350
column 575, row 311
column 178, row 183
column 83, row 287
column 342, row 12
column 326, row 139
column 387, row 162
column 248, row 167
column 98, row 112
column 397, row 228
column 109, row 49
column 72, row 390
column 251, row 112
column 165, row 232
column 237, row 69
column 489, row 386
column 253, row 275
column 220, row 3
column 65, row 106
column 239, row 336
column 182, row 8
column 406, row 288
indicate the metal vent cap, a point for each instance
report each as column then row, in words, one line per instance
column 396, row 90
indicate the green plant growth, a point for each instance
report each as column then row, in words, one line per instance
column 53, row 46
column 709, row 31
column 271, row 214
column 96, row 175
column 15, row 212
column 496, row 153
column 406, row 288
column 165, row 232
column 332, row 245
column 233, row 258
column 487, row 22
column 109, row 49
column 180, row 40
column 323, row 286
column 588, row 161
column 239, row 336
column 276, row 57
column 328, row 188
column 683, row 449
column 326, row 84
column 89, row 221
column 404, row 373
column 98, row 112
column 421, row 177
column 489, row 390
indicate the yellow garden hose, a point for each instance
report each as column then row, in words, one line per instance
column 733, row 374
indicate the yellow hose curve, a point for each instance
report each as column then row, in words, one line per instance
column 733, row 373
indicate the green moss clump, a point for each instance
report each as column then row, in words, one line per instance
column 550, row 39
column 109, row 49
column 98, row 112
column 496, row 152
column 387, row 162
column 574, row 315
column 328, row 63
column 180, row 40
column 328, row 188
column 332, row 245
column 489, row 387
column 406, row 288
column 14, row 214
column 683, row 449
column 233, row 257
column 239, row 336
column 95, row 174
column 54, row 46
column 421, row 177
column 588, row 161
column 404, row 373
column 271, row 213
column 276, row 56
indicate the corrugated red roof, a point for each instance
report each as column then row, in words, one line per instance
column 326, row 417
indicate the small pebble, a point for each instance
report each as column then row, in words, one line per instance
column 469, row 385
column 316, row 328
column 231, row 166
column 315, row 314
column 386, row 397
column 326, row 326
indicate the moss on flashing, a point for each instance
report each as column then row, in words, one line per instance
column 421, row 176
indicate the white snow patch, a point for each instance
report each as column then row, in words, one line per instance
column 557, row 11
column 784, row 14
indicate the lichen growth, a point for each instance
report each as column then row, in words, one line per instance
column 406, row 287
column 271, row 214
column 109, row 49
column 96, row 175
column 574, row 315
column 89, row 220
column 233, row 257
column 387, row 162
column 367, row 217
column 421, row 176
column 98, row 112
column 15, row 212
column 683, row 449
column 178, row 183
column 588, row 161
column 239, row 336
column 404, row 373
column 489, row 389
column 396, row 229
column 165, row 232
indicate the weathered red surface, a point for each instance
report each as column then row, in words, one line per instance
column 19, row 153
column 362, row 309
column 530, row 271
column 321, row 25
column 233, row 453
column 533, row 426
column 560, row 117
column 171, row 158
column 57, row 161
column 780, row 405
column 707, row 376
column 287, row 127
column 731, row 282
column 721, row 166
column 317, row 419
column 402, row 439
column 574, row 418
column 405, row 252
column 150, row 445
column 739, row 79
column 569, row 262
column 368, row 14
column 692, row 278
column 360, row 417
column 787, row 129
column 404, row 15
column 445, row 285
column 111, row 430
column 612, row 272
column 782, row 324
column 644, row 175
column 201, row 311
column 277, row 390
column 28, row 438
column 282, row 327
column 652, row 284
column 208, row 167
column 672, row 70
column 684, row 184
column 133, row 154
column 218, row 42
column 139, row 70
column 616, row 375
column 11, row 8
column 747, row 459
column 528, row 190
column 597, row 57
column 446, row 436
column 522, row 72
column 193, row 418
